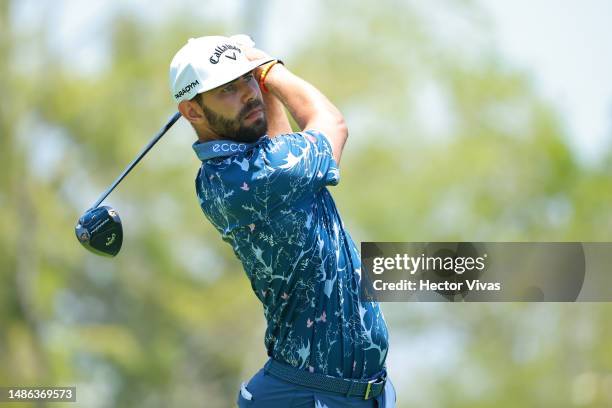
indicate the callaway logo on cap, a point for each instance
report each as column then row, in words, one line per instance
column 208, row 62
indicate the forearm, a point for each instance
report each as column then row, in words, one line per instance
column 278, row 123
column 302, row 99
column 308, row 106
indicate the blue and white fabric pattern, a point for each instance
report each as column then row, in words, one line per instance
column 270, row 202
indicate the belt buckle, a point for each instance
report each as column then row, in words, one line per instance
column 369, row 386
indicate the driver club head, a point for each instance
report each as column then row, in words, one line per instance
column 100, row 231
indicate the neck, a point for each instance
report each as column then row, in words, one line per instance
column 207, row 135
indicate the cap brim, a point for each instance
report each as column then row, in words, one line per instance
column 232, row 76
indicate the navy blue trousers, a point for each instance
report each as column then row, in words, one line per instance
column 264, row 390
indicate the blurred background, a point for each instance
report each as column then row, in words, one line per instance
column 470, row 120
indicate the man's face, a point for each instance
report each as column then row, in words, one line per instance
column 235, row 110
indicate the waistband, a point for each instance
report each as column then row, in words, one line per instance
column 365, row 389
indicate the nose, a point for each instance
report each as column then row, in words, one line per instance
column 250, row 91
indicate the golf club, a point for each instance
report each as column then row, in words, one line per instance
column 100, row 229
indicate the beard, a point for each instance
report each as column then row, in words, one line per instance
column 234, row 128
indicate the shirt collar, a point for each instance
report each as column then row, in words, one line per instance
column 218, row 148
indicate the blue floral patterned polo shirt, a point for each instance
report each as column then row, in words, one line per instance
column 269, row 201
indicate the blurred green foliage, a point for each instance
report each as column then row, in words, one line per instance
column 171, row 321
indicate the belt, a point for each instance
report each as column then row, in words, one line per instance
column 366, row 389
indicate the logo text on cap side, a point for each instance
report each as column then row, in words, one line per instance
column 219, row 50
column 186, row 89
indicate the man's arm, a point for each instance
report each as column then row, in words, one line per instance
column 278, row 123
column 308, row 106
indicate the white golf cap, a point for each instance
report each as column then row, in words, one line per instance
column 208, row 62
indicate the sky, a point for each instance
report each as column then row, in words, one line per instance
column 564, row 46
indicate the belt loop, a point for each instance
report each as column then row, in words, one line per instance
column 367, row 393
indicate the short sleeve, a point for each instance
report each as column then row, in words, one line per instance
column 299, row 165
column 327, row 167
column 304, row 159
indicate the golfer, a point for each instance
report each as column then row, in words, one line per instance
column 264, row 188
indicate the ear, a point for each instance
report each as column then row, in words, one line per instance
column 192, row 112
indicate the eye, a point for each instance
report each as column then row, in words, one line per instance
column 248, row 77
column 229, row 88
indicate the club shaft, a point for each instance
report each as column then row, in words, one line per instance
column 142, row 153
